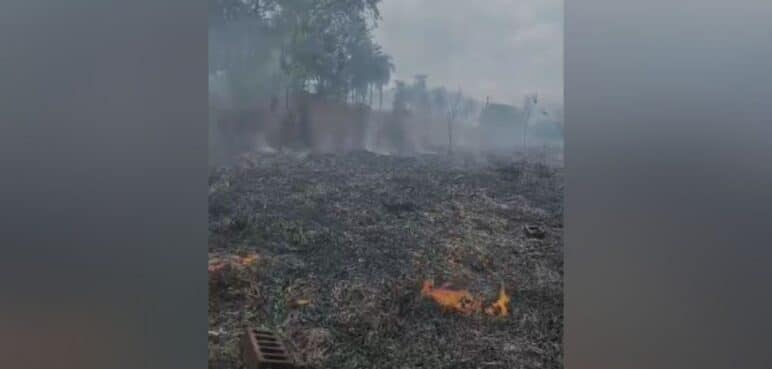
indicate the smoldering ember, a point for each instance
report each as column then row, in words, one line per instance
column 360, row 221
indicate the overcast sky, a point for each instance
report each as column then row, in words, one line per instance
column 499, row 48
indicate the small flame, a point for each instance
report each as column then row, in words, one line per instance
column 246, row 260
column 460, row 301
column 218, row 264
column 501, row 306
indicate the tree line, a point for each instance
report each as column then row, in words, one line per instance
column 323, row 47
column 437, row 102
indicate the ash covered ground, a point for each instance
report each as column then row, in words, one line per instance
column 334, row 250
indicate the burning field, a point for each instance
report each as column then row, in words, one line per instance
column 361, row 260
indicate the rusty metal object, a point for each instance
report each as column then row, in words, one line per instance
column 534, row 231
column 261, row 349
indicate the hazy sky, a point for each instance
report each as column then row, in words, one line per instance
column 499, row 48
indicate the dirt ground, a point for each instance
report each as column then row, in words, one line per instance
column 331, row 251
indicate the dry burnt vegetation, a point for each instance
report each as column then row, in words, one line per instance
column 331, row 251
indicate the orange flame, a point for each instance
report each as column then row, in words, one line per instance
column 501, row 306
column 218, row 264
column 246, row 260
column 460, row 301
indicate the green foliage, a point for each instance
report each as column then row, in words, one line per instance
column 322, row 46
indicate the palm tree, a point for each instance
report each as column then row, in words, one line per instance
column 383, row 68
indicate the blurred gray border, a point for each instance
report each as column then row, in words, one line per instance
column 668, row 206
column 669, row 184
column 103, row 189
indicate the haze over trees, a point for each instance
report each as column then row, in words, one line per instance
column 308, row 74
column 323, row 47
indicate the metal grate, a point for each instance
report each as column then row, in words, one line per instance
column 261, row 349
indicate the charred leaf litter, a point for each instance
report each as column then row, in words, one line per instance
column 338, row 246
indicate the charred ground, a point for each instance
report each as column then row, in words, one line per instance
column 342, row 244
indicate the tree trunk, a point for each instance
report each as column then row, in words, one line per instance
column 380, row 97
column 450, row 136
column 451, row 118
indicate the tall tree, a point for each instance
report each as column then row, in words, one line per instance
column 326, row 46
column 453, row 110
